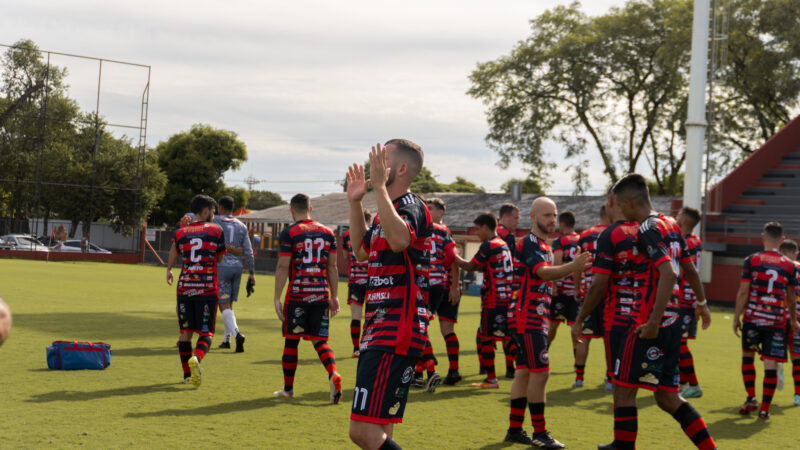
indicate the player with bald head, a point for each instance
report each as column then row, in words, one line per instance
column 5, row 321
column 533, row 322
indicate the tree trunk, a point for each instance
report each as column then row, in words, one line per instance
column 73, row 228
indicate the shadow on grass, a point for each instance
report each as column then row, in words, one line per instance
column 307, row 399
column 738, row 426
column 502, row 444
column 80, row 396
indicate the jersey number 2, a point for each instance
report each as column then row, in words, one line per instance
column 197, row 244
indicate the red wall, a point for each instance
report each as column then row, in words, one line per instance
column 724, row 284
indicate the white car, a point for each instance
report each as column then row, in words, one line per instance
column 74, row 245
column 24, row 242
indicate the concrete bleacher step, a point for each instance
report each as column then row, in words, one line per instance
column 768, row 191
column 773, row 200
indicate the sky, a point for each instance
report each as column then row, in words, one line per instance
column 308, row 86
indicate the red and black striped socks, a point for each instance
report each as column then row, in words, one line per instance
column 326, row 356
column 749, row 376
column 487, row 360
column 185, row 350
column 686, row 364
column 203, row 344
column 770, row 382
column 427, row 358
column 355, row 333
column 626, row 426
column 451, row 341
column 579, row 371
column 796, row 375
column 517, row 415
column 694, row 426
column 289, row 363
column 537, row 417
column 510, row 350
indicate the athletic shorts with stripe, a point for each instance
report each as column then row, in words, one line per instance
column 440, row 304
column 650, row 364
column 769, row 342
column 615, row 341
column 494, row 323
column 307, row 320
column 564, row 308
column 229, row 280
column 356, row 293
column 382, row 382
column 532, row 351
column 593, row 324
column 197, row 313
column 688, row 323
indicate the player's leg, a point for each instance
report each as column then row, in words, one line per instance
column 185, row 352
column 317, row 330
column 581, row 351
column 184, row 310
column 519, row 400
column 692, row 423
column 769, row 385
column 539, row 372
column 225, row 280
column 289, row 366
column 355, row 298
column 626, row 413
column 448, row 315
column 370, row 436
column 510, row 351
column 487, row 357
column 750, row 345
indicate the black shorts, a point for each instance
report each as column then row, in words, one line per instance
column 794, row 342
column 615, row 341
column 440, row 304
column 688, row 323
column 770, row 342
column 532, row 351
column 307, row 320
column 564, row 308
column 197, row 313
column 650, row 364
column 593, row 324
column 494, row 323
column 382, row 382
column 356, row 293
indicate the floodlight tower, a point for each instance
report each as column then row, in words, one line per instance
column 696, row 115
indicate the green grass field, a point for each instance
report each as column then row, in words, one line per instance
column 139, row 402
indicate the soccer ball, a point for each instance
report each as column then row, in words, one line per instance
column 5, row 321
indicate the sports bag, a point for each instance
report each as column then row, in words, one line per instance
column 76, row 355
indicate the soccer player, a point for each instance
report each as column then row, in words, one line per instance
column 687, row 219
column 507, row 225
column 564, row 307
column 200, row 245
column 532, row 322
column 593, row 324
column 445, row 295
column 308, row 259
column 789, row 249
column 494, row 258
column 230, row 269
column 395, row 318
column 767, row 288
column 356, row 287
column 5, row 321
column 650, row 355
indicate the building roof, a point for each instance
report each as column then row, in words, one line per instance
column 334, row 210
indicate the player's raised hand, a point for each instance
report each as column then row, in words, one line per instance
column 737, row 325
column 170, row 277
column 378, row 172
column 357, row 183
column 705, row 315
column 583, row 260
column 333, row 306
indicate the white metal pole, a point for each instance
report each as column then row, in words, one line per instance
column 696, row 114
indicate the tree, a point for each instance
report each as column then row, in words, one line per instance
column 264, row 199
column 529, row 185
column 463, row 185
column 194, row 162
column 425, row 183
column 618, row 83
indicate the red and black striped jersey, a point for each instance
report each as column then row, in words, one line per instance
column 357, row 272
column 495, row 258
column 618, row 257
column 694, row 247
column 770, row 275
column 442, row 248
column 797, row 273
column 200, row 244
column 679, row 253
column 395, row 318
column 588, row 243
column 533, row 305
column 660, row 242
column 508, row 236
column 568, row 246
column 310, row 245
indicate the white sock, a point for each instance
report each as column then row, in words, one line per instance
column 230, row 324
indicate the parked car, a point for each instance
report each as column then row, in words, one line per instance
column 4, row 245
column 24, row 242
column 74, row 245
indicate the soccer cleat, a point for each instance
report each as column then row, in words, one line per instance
column 518, row 436
column 284, row 394
column 510, row 373
column 796, row 401
column 225, row 344
column 417, row 381
column 544, row 440
column 434, row 380
column 605, row 446
column 239, row 343
column 682, row 388
column 452, row 378
column 194, row 364
column 336, row 388
column 577, row 384
column 187, row 380
column 779, row 385
column 763, row 415
column 356, row 353
column 487, row 384
column 609, row 386
column 751, row 404
column 692, row 392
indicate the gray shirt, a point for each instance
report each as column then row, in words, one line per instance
column 236, row 235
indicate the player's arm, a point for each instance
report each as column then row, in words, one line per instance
column 550, row 273
column 690, row 272
column 455, row 290
column 333, row 283
column 356, row 189
column 469, row 266
column 558, row 259
column 791, row 298
column 171, row 261
column 666, row 281
column 395, row 228
column 593, row 298
column 281, row 273
column 741, row 301
column 236, row 251
column 221, row 245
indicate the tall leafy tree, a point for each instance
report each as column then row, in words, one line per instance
column 264, row 199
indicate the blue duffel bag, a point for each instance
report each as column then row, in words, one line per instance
column 75, row 355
